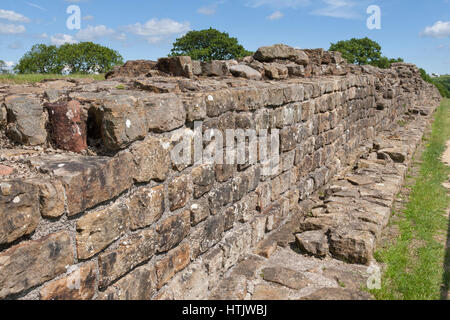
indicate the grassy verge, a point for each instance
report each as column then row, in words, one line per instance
column 32, row 78
column 415, row 261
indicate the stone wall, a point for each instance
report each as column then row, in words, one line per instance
column 93, row 207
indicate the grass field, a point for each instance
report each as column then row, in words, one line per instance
column 415, row 261
column 32, row 78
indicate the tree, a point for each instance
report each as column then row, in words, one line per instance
column 363, row 51
column 40, row 59
column 88, row 57
column 209, row 44
column 85, row 57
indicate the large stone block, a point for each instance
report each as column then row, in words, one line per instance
column 79, row 285
column 176, row 66
column 98, row 229
column 180, row 190
column 26, row 120
column 140, row 284
column 281, row 51
column 68, row 126
column 175, row 261
column 33, row 262
column 203, row 178
column 351, row 245
column 89, row 181
column 120, row 120
column 152, row 159
column 51, row 197
column 173, row 230
column 19, row 210
column 206, row 235
column 164, row 112
column 146, row 206
column 245, row 71
column 131, row 252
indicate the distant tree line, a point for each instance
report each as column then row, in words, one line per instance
column 442, row 83
column 80, row 58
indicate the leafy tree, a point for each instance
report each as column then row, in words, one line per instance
column 363, row 51
column 40, row 59
column 209, row 44
column 358, row 51
column 85, row 57
column 88, row 57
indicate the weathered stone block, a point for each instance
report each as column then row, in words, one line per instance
column 286, row 277
column 33, row 262
column 51, row 197
column 89, row 181
column 176, row 66
column 146, row 206
column 164, row 112
column 26, row 120
column 132, row 251
column 219, row 102
column 140, row 284
column 190, row 284
column 173, row 230
column 245, row 71
column 203, row 178
column 118, row 121
column 180, row 190
column 224, row 172
column 313, row 242
column 199, row 211
column 220, row 197
column 68, row 126
column 175, row 261
column 79, row 285
column 152, row 159
column 19, row 210
column 98, row 229
column 207, row 235
column 352, row 245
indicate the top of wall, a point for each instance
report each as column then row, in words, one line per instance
column 97, row 117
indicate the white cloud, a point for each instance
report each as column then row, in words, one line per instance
column 276, row 15
column 92, row 33
column 13, row 16
column 338, row 9
column 11, row 29
column 60, row 39
column 278, row 3
column 155, row 30
column 440, row 29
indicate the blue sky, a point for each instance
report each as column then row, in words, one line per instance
column 418, row 31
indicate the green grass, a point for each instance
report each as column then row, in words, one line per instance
column 415, row 262
column 33, row 78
